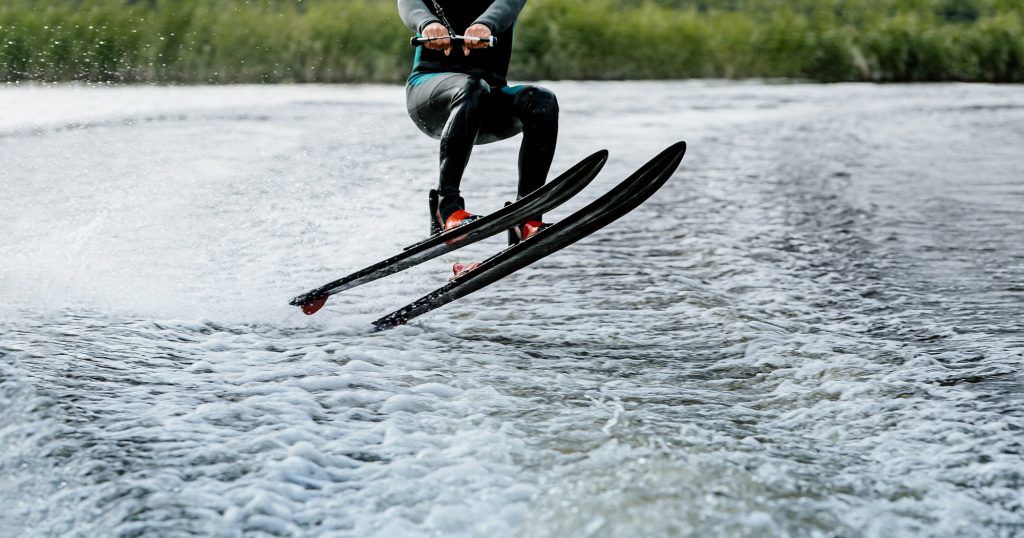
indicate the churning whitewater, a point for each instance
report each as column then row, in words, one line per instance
column 813, row 329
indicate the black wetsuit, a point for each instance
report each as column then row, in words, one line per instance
column 465, row 100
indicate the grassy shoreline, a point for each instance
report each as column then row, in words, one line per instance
column 234, row 41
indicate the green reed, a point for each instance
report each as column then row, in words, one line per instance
column 223, row 41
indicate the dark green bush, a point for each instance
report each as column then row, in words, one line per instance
column 226, row 41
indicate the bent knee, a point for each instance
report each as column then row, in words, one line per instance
column 541, row 105
column 472, row 89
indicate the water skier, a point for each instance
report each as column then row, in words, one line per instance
column 458, row 93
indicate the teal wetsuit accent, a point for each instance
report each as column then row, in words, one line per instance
column 513, row 90
column 416, row 79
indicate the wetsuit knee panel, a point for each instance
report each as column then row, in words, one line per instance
column 471, row 90
column 539, row 105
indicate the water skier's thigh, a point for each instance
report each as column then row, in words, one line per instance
column 502, row 119
column 429, row 96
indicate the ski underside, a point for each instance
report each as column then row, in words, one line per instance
column 620, row 200
column 550, row 196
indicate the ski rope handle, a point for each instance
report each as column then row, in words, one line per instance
column 417, row 40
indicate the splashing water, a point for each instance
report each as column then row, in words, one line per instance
column 813, row 329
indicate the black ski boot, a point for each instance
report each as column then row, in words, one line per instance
column 447, row 212
column 435, row 218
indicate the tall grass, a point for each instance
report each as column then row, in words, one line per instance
column 202, row 41
column 364, row 41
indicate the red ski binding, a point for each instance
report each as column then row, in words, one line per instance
column 461, row 268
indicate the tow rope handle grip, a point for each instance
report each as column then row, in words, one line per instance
column 416, row 41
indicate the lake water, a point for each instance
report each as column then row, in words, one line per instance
column 814, row 328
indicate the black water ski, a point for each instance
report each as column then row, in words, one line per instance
column 622, row 199
column 548, row 197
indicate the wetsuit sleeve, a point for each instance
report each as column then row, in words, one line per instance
column 501, row 15
column 415, row 15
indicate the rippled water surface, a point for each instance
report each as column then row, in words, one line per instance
column 814, row 329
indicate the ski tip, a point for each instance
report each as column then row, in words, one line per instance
column 673, row 153
column 313, row 305
column 678, row 147
column 598, row 158
column 680, row 150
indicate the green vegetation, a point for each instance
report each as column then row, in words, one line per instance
column 225, row 41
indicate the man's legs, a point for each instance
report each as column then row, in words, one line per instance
column 449, row 106
column 533, row 111
column 461, row 110
column 537, row 111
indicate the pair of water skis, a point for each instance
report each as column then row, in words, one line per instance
column 620, row 200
